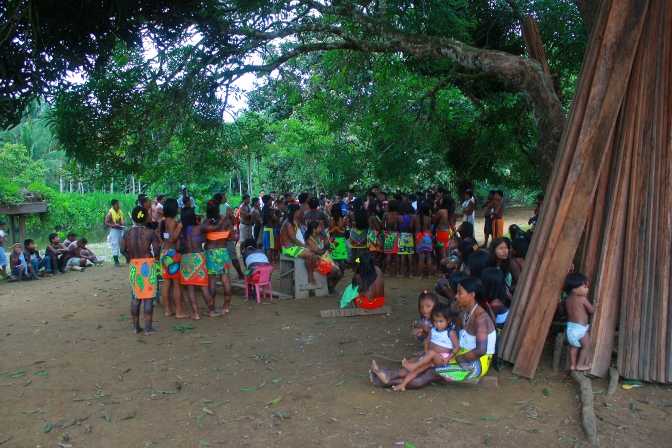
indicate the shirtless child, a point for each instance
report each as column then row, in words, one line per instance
column 579, row 310
column 141, row 246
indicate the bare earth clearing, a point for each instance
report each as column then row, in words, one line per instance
column 71, row 371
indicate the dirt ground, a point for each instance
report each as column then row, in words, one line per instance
column 71, row 372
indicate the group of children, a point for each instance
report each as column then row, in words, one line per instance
column 25, row 262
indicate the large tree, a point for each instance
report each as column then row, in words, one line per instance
column 219, row 41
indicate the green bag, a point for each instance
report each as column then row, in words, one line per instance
column 349, row 295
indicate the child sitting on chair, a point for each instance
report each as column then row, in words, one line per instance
column 440, row 347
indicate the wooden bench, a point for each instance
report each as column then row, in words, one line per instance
column 293, row 280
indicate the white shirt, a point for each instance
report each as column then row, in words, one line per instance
column 256, row 257
column 441, row 338
column 472, row 216
column 468, row 342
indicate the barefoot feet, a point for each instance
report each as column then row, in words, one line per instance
column 382, row 376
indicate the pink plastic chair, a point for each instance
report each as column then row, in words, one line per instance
column 261, row 281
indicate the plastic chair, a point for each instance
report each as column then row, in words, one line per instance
column 261, row 281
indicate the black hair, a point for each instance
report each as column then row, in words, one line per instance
column 51, row 237
column 494, row 261
column 255, row 201
column 466, row 230
column 424, row 210
column 361, row 219
column 478, row 261
column 27, row 242
column 71, row 234
column 519, row 247
column 366, row 271
column 494, row 285
column 139, row 214
column 393, row 206
column 250, row 242
column 187, row 218
column 113, row 202
column 218, row 197
column 82, row 241
column 291, row 211
column 501, row 193
column 312, row 225
column 266, row 198
column 424, row 295
column 159, row 197
column 336, row 213
column 472, row 285
column 313, row 202
column 142, row 197
column 170, row 208
column 446, row 311
column 573, row 281
column 455, row 278
column 246, row 196
column 516, row 232
column 466, row 248
column 212, row 210
column 357, row 204
column 303, row 197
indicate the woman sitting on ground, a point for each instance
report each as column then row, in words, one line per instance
column 495, row 293
column 500, row 256
column 477, row 347
column 369, row 281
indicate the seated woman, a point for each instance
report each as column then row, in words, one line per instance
column 500, row 256
column 293, row 244
column 369, row 281
column 496, row 294
column 477, row 347
column 319, row 245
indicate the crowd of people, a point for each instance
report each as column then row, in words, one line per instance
column 24, row 261
column 378, row 235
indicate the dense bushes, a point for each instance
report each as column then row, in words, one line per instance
column 79, row 213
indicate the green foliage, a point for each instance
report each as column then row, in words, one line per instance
column 79, row 213
column 19, row 172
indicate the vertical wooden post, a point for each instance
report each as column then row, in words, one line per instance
column 22, row 228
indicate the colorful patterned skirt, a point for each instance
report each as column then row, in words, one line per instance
column 292, row 251
column 406, row 244
column 218, row 261
column 193, row 269
column 373, row 241
column 391, row 242
column 170, row 264
column 424, row 243
column 339, row 249
column 142, row 278
column 268, row 238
